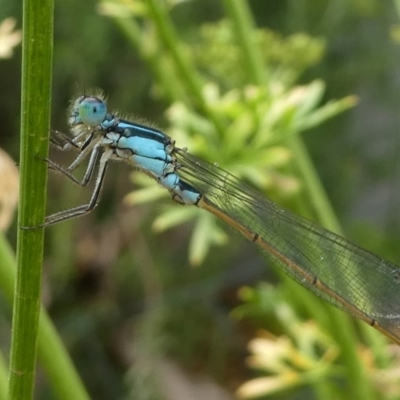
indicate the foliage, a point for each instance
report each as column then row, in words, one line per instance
column 214, row 92
column 304, row 355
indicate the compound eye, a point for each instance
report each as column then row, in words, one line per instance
column 91, row 110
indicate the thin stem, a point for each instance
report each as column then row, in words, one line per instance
column 3, row 378
column 52, row 354
column 322, row 205
column 244, row 28
column 149, row 52
column 346, row 336
column 185, row 69
column 252, row 60
column 37, row 56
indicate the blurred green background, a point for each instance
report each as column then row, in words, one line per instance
column 143, row 313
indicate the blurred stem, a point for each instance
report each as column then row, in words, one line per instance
column 322, row 206
column 3, row 378
column 185, row 69
column 252, row 59
column 52, row 353
column 397, row 6
column 346, row 334
column 37, row 52
column 244, row 28
column 151, row 54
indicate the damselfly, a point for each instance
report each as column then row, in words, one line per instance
column 340, row 272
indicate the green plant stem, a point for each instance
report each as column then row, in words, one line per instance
column 52, row 354
column 37, row 52
column 397, row 6
column 169, row 38
column 321, row 204
column 346, row 336
column 172, row 87
column 242, row 20
column 244, row 28
column 3, row 378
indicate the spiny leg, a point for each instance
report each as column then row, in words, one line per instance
column 89, row 169
column 85, row 208
column 63, row 142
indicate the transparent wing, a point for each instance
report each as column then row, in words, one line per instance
column 335, row 269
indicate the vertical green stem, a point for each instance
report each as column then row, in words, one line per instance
column 241, row 16
column 173, row 88
column 3, row 378
column 37, row 55
column 169, row 38
column 321, row 203
column 397, row 6
column 52, row 354
column 242, row 20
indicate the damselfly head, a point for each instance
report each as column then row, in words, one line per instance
column 88, row 110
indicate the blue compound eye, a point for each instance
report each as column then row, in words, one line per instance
column 91, row 110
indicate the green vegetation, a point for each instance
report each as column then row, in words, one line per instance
column 237, row 83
